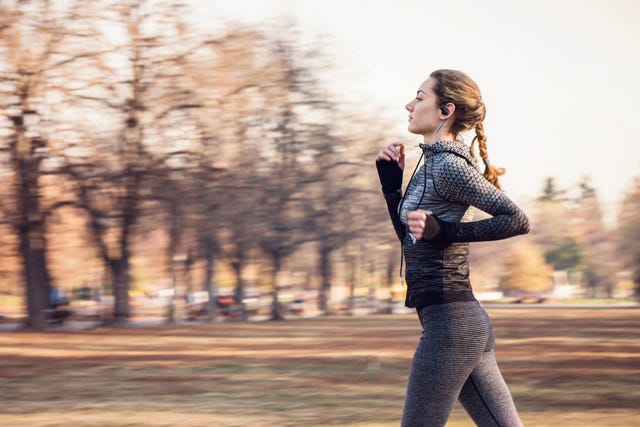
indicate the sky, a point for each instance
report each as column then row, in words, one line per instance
column 559, row 77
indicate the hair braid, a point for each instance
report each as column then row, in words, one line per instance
column 458, row 88
column 490, row 172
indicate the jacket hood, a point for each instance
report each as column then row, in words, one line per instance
column 458, row 148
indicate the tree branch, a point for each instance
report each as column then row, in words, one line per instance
column 58, row 205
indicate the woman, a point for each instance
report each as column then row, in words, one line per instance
column 454, row 358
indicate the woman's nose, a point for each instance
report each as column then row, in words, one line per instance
column 409, row 106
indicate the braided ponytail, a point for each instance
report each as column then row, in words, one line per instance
column 490, row 172
column 458, row 88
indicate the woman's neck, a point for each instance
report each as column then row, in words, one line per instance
column 442, row 133
column 432, row 138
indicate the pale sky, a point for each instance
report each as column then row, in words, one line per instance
column 559, row 77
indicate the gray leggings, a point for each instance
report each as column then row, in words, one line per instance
column 454, row 360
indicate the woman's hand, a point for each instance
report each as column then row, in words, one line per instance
column 392, row 152
column 423, row 224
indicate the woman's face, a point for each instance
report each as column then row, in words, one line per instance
column 424, row 111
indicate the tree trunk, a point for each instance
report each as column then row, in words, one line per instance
column 175, row 233
column 120, row 274
column 391, row 268
column 238, row 292
column 36, row 278
column 121, row 279
column 121, row 266
column 325, row 287
column 352, row 285
column 276, row 308
column 31, row 227
column 171, row 308
column 208, row 279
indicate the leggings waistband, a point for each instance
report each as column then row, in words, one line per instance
column 440, row 297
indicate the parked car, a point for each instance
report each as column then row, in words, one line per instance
column 88, row 303
column 58, row 309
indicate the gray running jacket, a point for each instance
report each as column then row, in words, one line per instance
column 449, row 184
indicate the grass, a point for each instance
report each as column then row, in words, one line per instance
column 573, row 367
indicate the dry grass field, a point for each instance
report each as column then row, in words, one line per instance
column 565, row 367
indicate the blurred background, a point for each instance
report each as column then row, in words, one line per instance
column 214, row 160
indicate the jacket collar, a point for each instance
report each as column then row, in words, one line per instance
column 457, row 147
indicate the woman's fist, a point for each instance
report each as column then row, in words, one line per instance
column 423, row 224
column 392, row 152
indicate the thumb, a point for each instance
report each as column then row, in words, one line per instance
column 401, row 159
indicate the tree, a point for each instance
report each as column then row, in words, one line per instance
column 351, row 208
column 550, row 191
column 209, row 221
column 287, row 129
column 336, row 196
column 598, row 260
column 241, row 215
column 567, row 255
column 36, row 50
column 144, row 96
column 525, row 269
column 551, row 225
column 238, row 82
column 628, row 233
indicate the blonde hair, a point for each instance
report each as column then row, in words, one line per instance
column 452, row 86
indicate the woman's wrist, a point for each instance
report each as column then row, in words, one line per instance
column 390, row 176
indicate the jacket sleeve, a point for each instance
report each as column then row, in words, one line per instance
column 459, row 182
column 390, row 176
column 393, row 201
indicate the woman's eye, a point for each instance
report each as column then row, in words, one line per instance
column 418, row 99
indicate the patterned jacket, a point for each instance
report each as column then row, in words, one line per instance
column 449, row 184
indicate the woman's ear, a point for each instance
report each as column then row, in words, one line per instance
column 447, row 110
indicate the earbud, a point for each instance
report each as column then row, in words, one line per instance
column 444, row 109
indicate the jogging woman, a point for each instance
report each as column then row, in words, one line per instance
column 454, row 358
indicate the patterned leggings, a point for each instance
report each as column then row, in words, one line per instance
column 454, row 360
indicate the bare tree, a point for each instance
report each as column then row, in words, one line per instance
column 288, row 134
column 235, row 78
column 36, row 50
column 141, row 90
column 341, row 187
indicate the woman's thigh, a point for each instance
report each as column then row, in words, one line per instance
column 453, row 340
column 486, row 397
